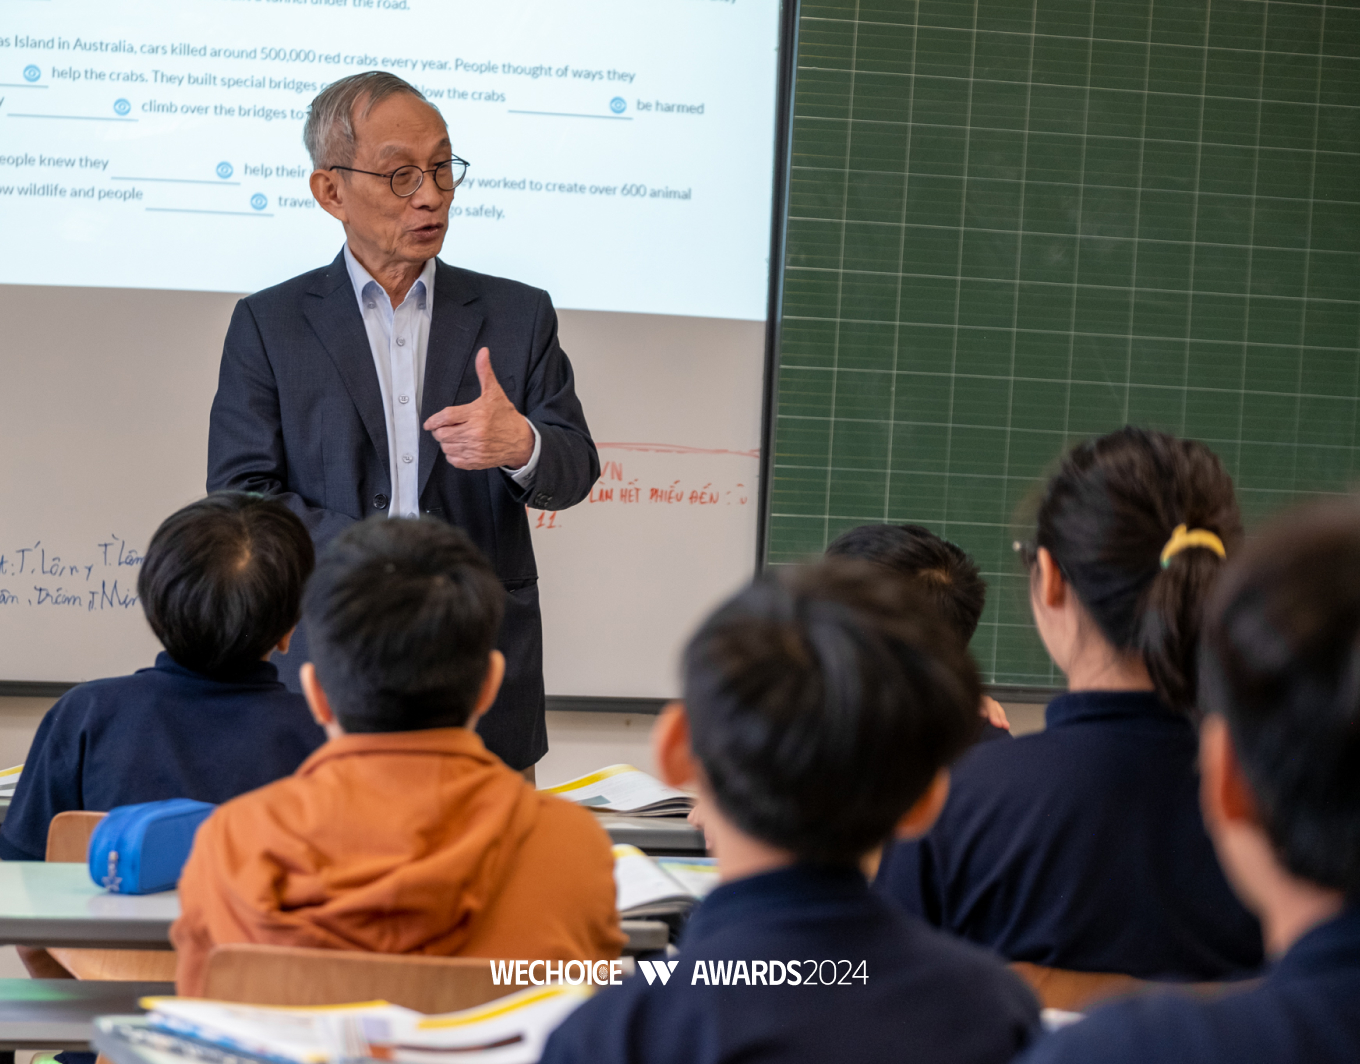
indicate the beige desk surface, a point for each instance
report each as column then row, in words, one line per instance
column 58, row 905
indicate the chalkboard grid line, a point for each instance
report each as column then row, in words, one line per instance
column 1251, row 243
column 840, row 278
column 1092, row 333
column 1088, row 39
column 1308, row 245
column 958, row 261
column 993, row 651
column 897, row 294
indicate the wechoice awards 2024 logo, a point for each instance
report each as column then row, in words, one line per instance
column 709, row 973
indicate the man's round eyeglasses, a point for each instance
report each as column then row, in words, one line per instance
column 405, row 180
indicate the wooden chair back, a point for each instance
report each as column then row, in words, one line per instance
column 68, row 836
column 291, row 975
column 68, row 842
column 1059, row 988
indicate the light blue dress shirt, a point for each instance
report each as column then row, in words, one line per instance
column 399, row 339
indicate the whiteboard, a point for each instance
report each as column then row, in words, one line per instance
column 103, row 432
column 622, row 159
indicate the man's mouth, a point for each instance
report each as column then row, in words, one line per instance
column 434, row 229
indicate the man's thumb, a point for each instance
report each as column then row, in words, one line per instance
column 485, row 374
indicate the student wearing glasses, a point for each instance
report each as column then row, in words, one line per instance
column 392, row 383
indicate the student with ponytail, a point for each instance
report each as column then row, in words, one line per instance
column 1082, row 847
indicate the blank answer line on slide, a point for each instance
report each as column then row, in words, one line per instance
column 199, row 210
column 570, row 114
column 76, row 118
column 177, row 180
column 673, row 448
column 19, row 85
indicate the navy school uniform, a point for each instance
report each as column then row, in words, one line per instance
column 1305, row 1011
column 163, row 732
column 1082, row 847
column 924, row 997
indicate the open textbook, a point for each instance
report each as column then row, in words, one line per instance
column 659, row 886
column 508, row 1030
column 624, row 789
column 9, row 779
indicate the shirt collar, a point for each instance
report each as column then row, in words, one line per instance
column 360, row 278
column 1329, row 947
column 257, row 672
column 1080, row 706
column 799, row 886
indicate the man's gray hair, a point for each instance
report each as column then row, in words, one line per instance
column 329, row 132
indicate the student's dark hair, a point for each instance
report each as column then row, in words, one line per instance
column 402, row 616
column 1281, row 663
column 1106, row 517
column 222, row 581
column 941, row 571
column 822, row 701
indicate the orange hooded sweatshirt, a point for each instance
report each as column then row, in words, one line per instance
column 400, row 842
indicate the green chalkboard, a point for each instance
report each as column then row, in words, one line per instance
column 1013, row 224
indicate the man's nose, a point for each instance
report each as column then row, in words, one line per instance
column 429, row 196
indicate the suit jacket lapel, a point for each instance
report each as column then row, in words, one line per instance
column 454, row 324
column 333, row 312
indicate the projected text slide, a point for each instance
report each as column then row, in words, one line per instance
column 621, row 153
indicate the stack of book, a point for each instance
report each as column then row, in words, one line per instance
column 659, row 886
column 625, row 790
column 9, row 779
column 508, row 1030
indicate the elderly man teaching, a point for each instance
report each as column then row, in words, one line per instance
column 392, row 383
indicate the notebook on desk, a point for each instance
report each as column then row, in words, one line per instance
column 9, row 779
column 660, row 886
column 508, row 1030
column 626, row 790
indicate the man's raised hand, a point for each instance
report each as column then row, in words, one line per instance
column 487, row 432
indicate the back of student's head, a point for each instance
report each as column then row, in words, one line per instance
column 1281, row 663
column 402, row 616
column 822, row 700
column 941, row 571
column 1107, row 516
column 222, row 581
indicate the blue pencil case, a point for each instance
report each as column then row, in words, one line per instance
column 141, row 849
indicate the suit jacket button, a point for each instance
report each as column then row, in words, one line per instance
column 380, row 501
column 542, row 499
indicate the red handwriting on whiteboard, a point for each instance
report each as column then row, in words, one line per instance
column 631, row 493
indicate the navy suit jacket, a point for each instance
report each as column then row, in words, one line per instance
column 298, row 414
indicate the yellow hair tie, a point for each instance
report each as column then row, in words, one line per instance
column 1183, row 539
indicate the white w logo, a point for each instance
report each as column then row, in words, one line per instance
column 654, row 970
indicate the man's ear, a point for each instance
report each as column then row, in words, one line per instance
column 491, row 687
column 671, row 747
column 282, row 645
column 317, row 701
column 1052, row 587
column 1225, row 795
column 921, row 817
column 327, row 192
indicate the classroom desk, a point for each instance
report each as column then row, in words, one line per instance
column 58, row 905
column 661, row 835
column 60, row 1013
